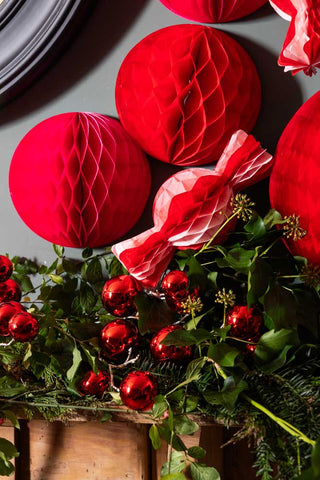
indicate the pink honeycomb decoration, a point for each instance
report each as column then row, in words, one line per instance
column 213, row 11
column 78, row 180
column 183, row 90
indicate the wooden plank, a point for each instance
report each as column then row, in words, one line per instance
column 7, row 431
column 237, row 459
column 90, row 451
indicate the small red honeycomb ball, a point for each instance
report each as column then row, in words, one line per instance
column 164, row 353
column 213, row 11
column 118, row 295
column 246, row 324
column 6, row 268
column 184, row 90
column 78, row 180
column 138, row 390
column 94, row 384
column 7, row 310
column 10, row 291
column 117, row 338
column 23, row 327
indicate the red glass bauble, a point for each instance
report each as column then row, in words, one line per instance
column 118, row 295
column 184, row 90
column 164, row 353
column 246, row 324
column 295, row 178
column 175, row 286
column 117, row 339
column 94, row 384
column 6, row 268
column 10, row 291
column 78, row 180
column 23, row 327
column 213, row 11
column 7, row 310
column 138, row 390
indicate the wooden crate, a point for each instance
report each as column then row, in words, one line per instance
column 116, row 450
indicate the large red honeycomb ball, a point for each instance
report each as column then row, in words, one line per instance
column 295, row 178
column 184, row 90
column 78, row 180
column 213, row 11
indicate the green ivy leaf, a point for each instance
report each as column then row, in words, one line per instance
column 154, row 436
column 259, row 278
column 174, row 440
column 176, row 464
column 106, row 417
column 87, row 298
column 7, row 452
column 94, row 271
column 228, row 395
column 281, row 306
column 11, row 416
column 256, row 226
column 173, row 476
column 56, row 279
column 194, row 368
column 116, row 268
column 87, row 253
column 76, row 360
column 9, row 387
column 272, row 218
column 273, row 342
column 184, row 426
column 196, row 452
column 92, row 360
column 24, row 282
column 154, row 314
column 238, row 258
column 159, row 407
column 223, row 354
column 59, row 251
column 202, row 472
column 183, row 337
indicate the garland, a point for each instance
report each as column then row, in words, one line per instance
column 268, row 384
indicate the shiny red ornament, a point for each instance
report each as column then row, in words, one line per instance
column 213, row 11
column 301, row 48
column 78, row 180
column 175, row 286
column 94, row 384
column 6, row 268
column 117, row 339
column 7, row 310
column 246, row 324
column 23, row 327
column 164, row 353
column 118, row 295
column 191, row 206
column 184, row 90
column 10, row 291
column 138, row 390
column 295, row 178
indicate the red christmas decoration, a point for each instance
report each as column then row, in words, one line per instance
column 246, row 324
column 183, row 91
column 6, row 268
column 301, row 48
column 118, row 295
column 94, row 384
column 7, row 310
column 78, row 180
column 295, row 178
column 175, row 286
column 23, row 327
column 138, row 390
column 10, row 291
column 117, row 339
column 213, row 11
column 191, row 206
column 163, row 353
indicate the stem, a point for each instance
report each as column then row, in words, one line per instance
column 62, row 405
column 207, row 245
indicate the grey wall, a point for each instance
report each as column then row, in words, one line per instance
column 83, row 79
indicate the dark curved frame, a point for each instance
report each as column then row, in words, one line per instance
column 32, row 32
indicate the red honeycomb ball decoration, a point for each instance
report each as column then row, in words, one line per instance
column 163, row 353
column 94, row 384
column 118, row 295
column 295, row 180
column 213, row 11
column 7, row 310
column 138, row 390
column 117, row 339
column 23, row 327
column 6, row 268
column 78, row 180
column 184, row 90
column 10, row 291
